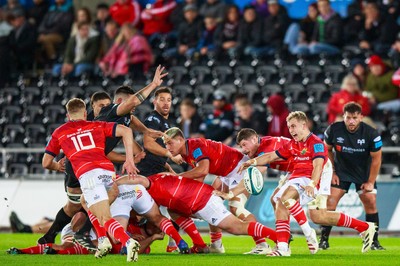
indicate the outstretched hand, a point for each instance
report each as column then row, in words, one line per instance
column 245, row 165
column 159, row 75
column 130, row 168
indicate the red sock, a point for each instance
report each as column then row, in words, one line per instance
column 256, row 229
column 167, row 227
column 282, row 230
column 258, row 240
column 347, row 221
column 189, row 227
column 36, row 249
column 298, row 213
column 115, row 229
column 75, row 250
column 100, row 230
column 215, row 236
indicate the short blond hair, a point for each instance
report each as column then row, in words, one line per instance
column 172, row 133
column 75, row 105
column 299, row 115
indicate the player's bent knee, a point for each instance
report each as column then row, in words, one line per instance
column 238, row 209
column 74, row 198
column 289, row 203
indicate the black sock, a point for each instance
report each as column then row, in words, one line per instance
column 85, row 228
column 374, row 218
column 62, row 219
column 325, row 232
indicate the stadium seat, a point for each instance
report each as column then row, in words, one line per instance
column 37, row 168
column 30, row 95
column 204, row 92
column 32, row 114
column 142, row 111
column 251, row 90
column 199, row 75
column 293, row 93
column 229, row 89
column 289, row 74
column 52, row 95
column 9, row 96
column 222, row 75
column 54, row 114
column 180, row 92
column 176, row 74
column 11, row 114
column 13, row 133
column 319, row 112
column 89, row 90
column 206, row 109
column 35, row 133
column 312, row 74
column 304, row 107
column 334, row 73
column 269, row 90
column 318, row 92
column 243, row 75
column 72, row 92
column 266, row 75
column 14, row 157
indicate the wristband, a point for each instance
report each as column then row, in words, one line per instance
column 255, row 162
column 311, row 184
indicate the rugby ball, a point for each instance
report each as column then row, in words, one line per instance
column 253, row 180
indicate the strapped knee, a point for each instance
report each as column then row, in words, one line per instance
column 239, row 205
column 289, row 203
column 74, row 198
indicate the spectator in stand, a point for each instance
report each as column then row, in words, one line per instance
column 278, row 112
column 12, row 6
column 227, row 33
column 189, row 33
column 126, row 11
column 5, row 30
column 394, row 53
column 249, row 32
column 394, row 105
column 218, row 126
column 22, row 42
column 359, row 69
column 55, row 28
column 108, row 38
column 102, row 16
column 261, row 7
column 379, row 31
column 328, row 31
column 353, row 23
column 350, row 92
column 213, row 8
column 299, row 35
column 177, row 15
column 37, row 12
column 155, row 19
column 274, row 29
column 379, row 86
column 190, row 120
column 249, row 117
column 83, row 15
column 131, row 53
column 80, row 54
column 206, row 44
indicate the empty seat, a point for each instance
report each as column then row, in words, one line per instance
column 204, row 92
column 243, row 75
column 221, row 75
column 251, row 90
column 142, row 111
column 312, row 74
column 52, row 95
column 37, row 168
column 72, row 92
column 10, row 114
column 266, row 74
column 9, row 96
column 181, row 91
column 199, row 74
column 32, row 114
column 228, row 89
column 334, row 73
column 54, row 114
column 293, row 93
column 13, row 133
column 31, row 95
column 289, row 74
column 35, row 133
column 316, row 91
column 319, row 112
column 304, row 107
column 17, row 170
column 206, row 109
column 176, row 74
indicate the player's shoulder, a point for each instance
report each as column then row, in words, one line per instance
column 369, row 129
column 153, row 117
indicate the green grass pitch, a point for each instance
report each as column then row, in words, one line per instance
column 344, row 251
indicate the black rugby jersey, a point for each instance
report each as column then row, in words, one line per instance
column 352, row 150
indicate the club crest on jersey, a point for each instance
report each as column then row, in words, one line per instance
column 319, row 147
column 303, row 151
column 197, row 153
column 139, row 193
column 340, row 140
column 361, row 141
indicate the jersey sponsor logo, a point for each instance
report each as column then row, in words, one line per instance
column 139, row 193
column 319, row 147
column 301, row 158
column 127, row 195
column 378, row 144
column 360, row 141
column 197, row 153
column 338, row 148
column 151, row 118
column 213, row 220
column 340, row 140
column 378, row 138
column 352, row 150
column 304, row 151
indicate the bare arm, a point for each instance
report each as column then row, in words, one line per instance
column 261, row 160
column 152, row 146
column 331, row 156
column 318, row 165
column 137, row 98
column 127, row 138
column 116, row 157
column 137, row 125
column 200, row 171
column 49, row 163
column 374, row 171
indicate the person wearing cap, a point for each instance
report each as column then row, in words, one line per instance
column 22, row 41
column 379, row 86
column 213, row 8
column 189, row 33
column 218, row 126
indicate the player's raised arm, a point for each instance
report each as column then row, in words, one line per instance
column 127, row 137
column 137, row 98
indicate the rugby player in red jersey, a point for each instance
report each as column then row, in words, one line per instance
column 190, row 198
column 309, row 155
column 83, row 143
column 211, row 157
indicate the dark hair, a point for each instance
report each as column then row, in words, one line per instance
column 162, row 90
column 352, row 108
column 102, row 6
column 99, row 95
column 82, row 23
column 124, row 90
column 245, row 133
column 87, row 11
column 188, row 102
